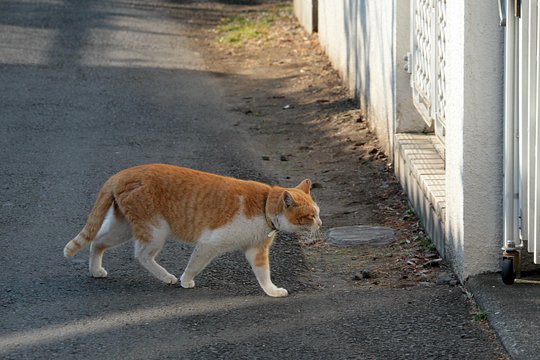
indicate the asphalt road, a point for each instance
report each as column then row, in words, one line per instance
column 90, row 87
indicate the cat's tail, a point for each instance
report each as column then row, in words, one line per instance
column 104, row 201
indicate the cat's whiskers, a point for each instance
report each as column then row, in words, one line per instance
column 312, row 237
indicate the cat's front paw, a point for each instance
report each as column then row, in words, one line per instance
column 186, row 284
column 99, row 273
column 170, row 279
column 277, row 292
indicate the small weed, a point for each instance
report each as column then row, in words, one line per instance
column 480, row 316
column 236, row 30
column 426, row 243
column 410, row 212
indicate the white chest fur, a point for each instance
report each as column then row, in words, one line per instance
column 240, row 233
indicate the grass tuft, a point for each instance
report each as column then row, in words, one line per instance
column 239, row 29
column 426, row 243
column 480, row 316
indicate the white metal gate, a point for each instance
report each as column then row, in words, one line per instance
column 522, row 139
column 428, row 64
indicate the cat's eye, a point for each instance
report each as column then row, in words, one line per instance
column 307, row 219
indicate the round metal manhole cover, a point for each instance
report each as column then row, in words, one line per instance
column 361, row 235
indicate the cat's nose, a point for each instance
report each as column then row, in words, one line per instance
column 319, row 222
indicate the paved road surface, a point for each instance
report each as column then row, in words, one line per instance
column 91, row 87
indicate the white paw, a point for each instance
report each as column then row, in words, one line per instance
column 99, row 273
column 277, row 292
column 186, row 284
column 170, row 279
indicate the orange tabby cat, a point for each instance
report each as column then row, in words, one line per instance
column 219, row 214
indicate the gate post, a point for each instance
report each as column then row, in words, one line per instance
column 474, row 136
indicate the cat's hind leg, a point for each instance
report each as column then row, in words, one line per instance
column 147, row 250
column 114, row 231
column 259, row 261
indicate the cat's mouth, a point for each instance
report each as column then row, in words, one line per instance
column 310, row 229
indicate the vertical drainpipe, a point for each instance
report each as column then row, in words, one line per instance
column 511, row 181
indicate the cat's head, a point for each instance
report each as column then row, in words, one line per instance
column 299, row 212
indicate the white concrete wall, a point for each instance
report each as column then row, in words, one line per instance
column 306, row 13
column 358, row 37
column 474, row 136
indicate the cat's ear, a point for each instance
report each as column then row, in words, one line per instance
column 288, row 199
column 305, row 186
